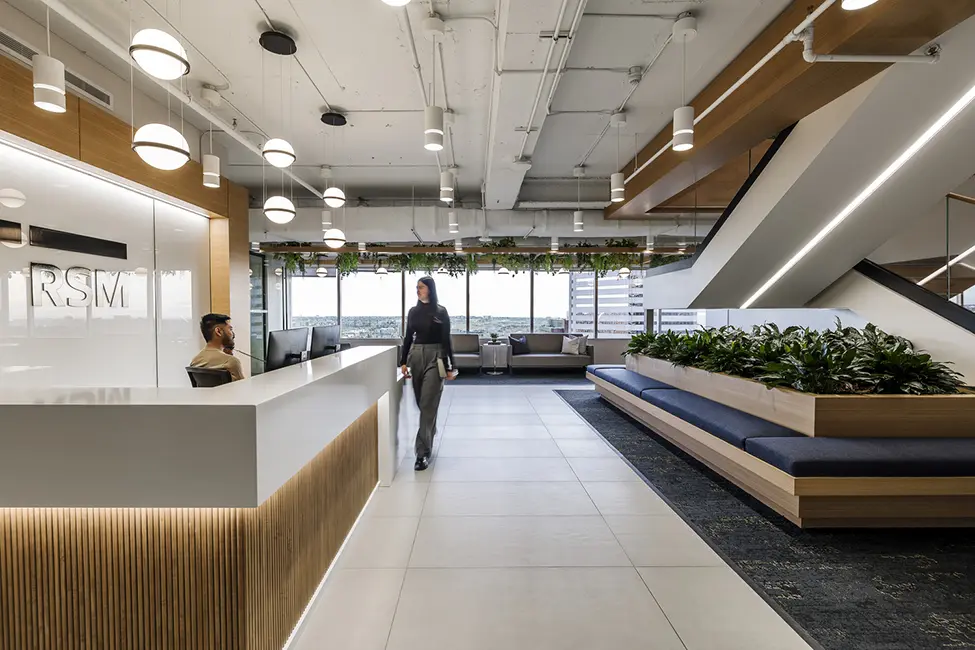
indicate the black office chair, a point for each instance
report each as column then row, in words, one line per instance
column 208, row 377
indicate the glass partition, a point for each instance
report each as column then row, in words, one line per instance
column 582, row 303
column 621, row 312
column 500, row 304
column 371, row 306
column 452, row 293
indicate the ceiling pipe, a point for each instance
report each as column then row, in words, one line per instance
column 791, row 37
column 100, row 37
column 544, row 75
column 563, row 60
column 933, row 55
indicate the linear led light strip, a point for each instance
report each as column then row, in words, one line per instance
column 867, row 192
column 945, row 267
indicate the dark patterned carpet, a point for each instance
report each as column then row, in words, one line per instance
column 524, row 378
column 844, row 590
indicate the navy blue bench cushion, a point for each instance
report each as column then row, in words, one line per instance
column 731, row 425
column 628, row 380
column 593, row 367
column 867, row 456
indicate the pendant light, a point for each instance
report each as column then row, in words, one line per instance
column 211, row 166
column 624, row 272
column 159, row 54
column 617, row 182
column 279, row 209
column 279, row 152
column 161, row 146
column 452, row 223
column 433, row 128
column 443, row 271
column 48, row 78
column 326, row 220
column 334, row 238
column 334, row 197
column 577, row 217
column 381, row 270
column 849, row 5
column 504, row 271
column 555, row 245
column 322, row 272
column 458, row 246
column 362, row 247
column 563, row 271
column 447, row 186
column 685, row 29
column 397, row 3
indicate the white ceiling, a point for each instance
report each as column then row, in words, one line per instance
column 356, row 59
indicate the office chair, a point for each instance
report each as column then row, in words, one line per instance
column 207, row 377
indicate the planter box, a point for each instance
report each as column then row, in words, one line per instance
column 837, row 416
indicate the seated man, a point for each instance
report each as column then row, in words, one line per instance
column 218, row 332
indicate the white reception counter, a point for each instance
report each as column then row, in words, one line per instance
column 232, row 446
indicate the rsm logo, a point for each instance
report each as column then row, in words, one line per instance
column 77, row 287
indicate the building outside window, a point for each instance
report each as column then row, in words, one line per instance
column 553, row 301
column 452, row 293
column 371, row 306
column 621, row 311
column 500, row 304
column 582, row 303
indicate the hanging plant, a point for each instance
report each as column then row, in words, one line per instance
column 347, row 263
column 293, row 263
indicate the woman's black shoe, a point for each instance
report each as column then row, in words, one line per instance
column 422, row 462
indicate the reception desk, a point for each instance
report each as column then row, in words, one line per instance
column 181, row 518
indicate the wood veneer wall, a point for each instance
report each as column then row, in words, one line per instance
column 182, row 578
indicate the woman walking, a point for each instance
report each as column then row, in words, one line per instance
column 426, row 354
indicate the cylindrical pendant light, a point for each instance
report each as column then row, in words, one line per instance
column 334, row 197
column 159, row 54
column 326, row 220
column 48, row 84
column 161, row 146
column 617, row 187
column 433, row 128
column 279, row 152
column 458, row 246
column 452, row 222
column 447, row 180
column 577, row 221
column 279, row 209
column 211, row 170
column 684, row 128
column 555, row 245
column 447, row 196
column 362, row 247
column 334, row 238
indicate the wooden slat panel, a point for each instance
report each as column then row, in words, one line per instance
column 19, row 116
column 200, row 578
column 106, row 143
column 220, row 268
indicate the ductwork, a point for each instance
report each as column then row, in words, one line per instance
column 396, row 224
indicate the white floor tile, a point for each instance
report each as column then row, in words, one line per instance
column 479, row 432
column 502, row 469
column 380, row 543
column 602, row 469
column 561, row 419
column 354, row 610
column 469, row 499
column 501, row 419
column 402, row 499
column 490, row 407
column 473, row 542
column 661, row 540
column 572, row 432
column 460, row 448
column 626, row 498
column 713, row 609
column 586, row 449
column 529, row 609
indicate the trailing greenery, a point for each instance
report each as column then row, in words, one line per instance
column 839, row 361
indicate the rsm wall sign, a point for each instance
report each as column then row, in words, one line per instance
column 77, row 287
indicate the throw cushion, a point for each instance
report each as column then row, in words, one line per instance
column 519, row 345
column 575, row 344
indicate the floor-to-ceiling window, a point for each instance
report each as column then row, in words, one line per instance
column 452, row 293
column 372, row 305
column 621, row 313
column 582, row 303
column 500, row 304
column 552, row 302
column 313, row 300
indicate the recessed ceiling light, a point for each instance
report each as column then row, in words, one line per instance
column 334, row 119
column 278, row 43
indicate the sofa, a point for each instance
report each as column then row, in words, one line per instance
column 546, row 354
column 467, row 350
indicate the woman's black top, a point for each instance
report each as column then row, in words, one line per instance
column 428, row 324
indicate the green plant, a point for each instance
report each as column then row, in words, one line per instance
column 639, row 344
column 347, row 263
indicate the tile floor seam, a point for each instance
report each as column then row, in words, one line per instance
column 659, row 606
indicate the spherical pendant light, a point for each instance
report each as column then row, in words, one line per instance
column 322, row 272
column 11, row 198
column 504, row 271
column 624, row 272
column 334, row 238
column 563, row 271
column 442, row 271
column 161, row 146
column 381, row 271
column 159, row 54
column 279, row 271
column 684, row 128
column 279, row 209
column 48, row 84
column 211, row 170
column 279, row 153
column 617, row 187
column 334, row 197
column 397, row 3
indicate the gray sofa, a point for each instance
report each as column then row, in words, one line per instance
column 467, row 350
column 546, row 353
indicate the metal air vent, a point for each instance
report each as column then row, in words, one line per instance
column 24, row 53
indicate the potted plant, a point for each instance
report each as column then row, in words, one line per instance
column 494, row 340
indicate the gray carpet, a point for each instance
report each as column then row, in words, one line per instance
column 846, row 590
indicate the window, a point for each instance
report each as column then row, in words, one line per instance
column 313, row 300
column 621, row 312
column 500, row 304
column 371, row 306
column 553, row 300
column 582, row 303
column 452, row 293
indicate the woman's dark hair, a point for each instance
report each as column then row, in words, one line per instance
column 432, row 286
